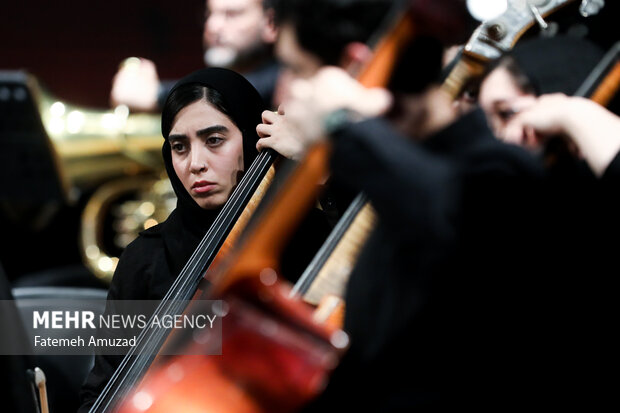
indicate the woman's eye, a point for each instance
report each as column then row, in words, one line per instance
column 177, row 147
column 214, row 140
column 506, row 114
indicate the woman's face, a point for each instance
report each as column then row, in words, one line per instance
column 497, row 94
column 207, row 153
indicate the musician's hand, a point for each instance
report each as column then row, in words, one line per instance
column 312, row 100
column 593, row 129
column 136, row 84
column 545, row 116
column 276, row 133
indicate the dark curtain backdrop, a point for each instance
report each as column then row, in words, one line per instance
column 75, row 47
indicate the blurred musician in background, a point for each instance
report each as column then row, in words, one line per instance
column 534, row 78
column 535, row 67
column 338, row 41
column 593, row 129
column 396, row 303
column 527, row 98
column 237, row 34
column 458, row 284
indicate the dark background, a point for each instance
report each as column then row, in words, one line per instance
column 75, row 47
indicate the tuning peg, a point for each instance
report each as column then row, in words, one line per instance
column 591, row 7
column 539, row 19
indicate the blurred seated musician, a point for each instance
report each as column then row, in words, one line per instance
column 237, row 34
column 338, row 32
column 528, row 102
column 532, row 70
column 592, row 129
column 534, row 67
column 432, row 178
column 538, row 77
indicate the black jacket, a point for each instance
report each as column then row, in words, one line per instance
column 425, row 292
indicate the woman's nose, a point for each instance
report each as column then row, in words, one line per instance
column 198, row 163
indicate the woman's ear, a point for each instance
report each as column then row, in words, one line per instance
column 355, row 55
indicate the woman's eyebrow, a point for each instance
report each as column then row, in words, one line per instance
column 212, row 129
column 202, row 132
column 176, row 137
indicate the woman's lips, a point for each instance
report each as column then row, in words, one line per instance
column 202, row 187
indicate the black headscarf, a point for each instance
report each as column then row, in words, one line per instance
column 556, row 64
column 188, row 223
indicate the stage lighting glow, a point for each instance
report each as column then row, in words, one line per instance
column 483, row 10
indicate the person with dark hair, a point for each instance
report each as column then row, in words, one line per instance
column 334, row 33
column 528, row 97
column 209, row 128
column 591, row 128
column 535, row 67
column 341, row 23
column 431, row 304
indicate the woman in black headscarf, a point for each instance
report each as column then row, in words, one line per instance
column 209, row 124
column 535, row 67
column 228, row 109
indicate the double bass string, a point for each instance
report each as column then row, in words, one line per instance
column 602, row 82
column 399, row 27
column 308, row 277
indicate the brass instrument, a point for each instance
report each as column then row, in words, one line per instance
column 96, row 145
column 111, row 155
column 122, row 207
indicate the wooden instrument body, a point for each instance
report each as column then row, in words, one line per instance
column 275, row 358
